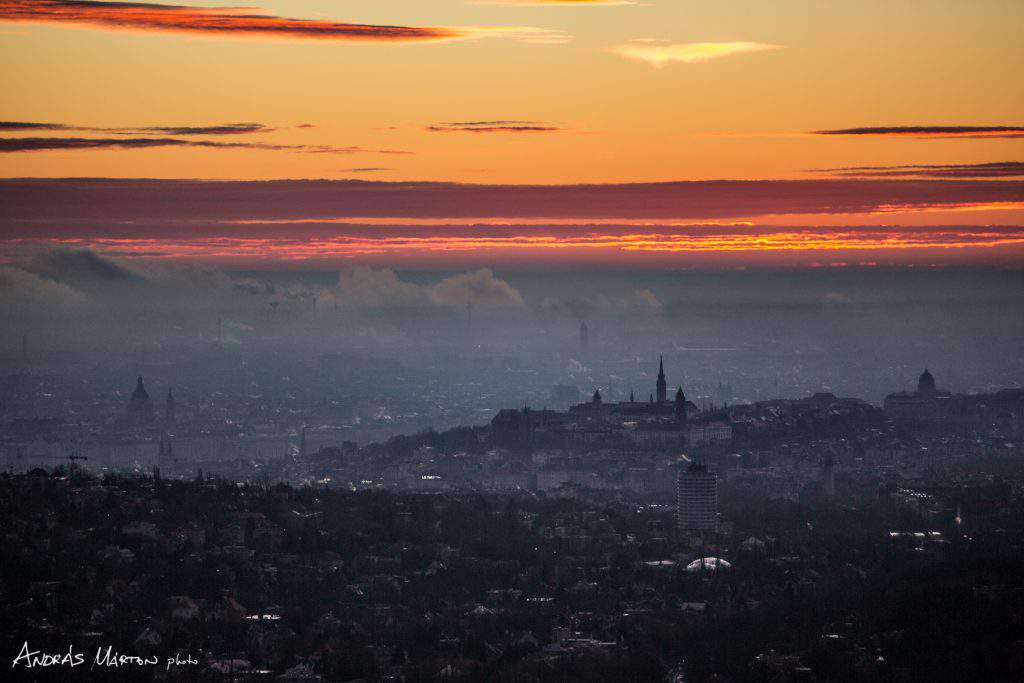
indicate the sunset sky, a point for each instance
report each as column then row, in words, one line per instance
column 898, row 113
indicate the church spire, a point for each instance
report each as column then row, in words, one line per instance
column 662, row 385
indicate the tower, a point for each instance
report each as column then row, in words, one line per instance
column 680, row 407
column 662, row 385
column 596, row 400
column 170, row 409
column 166, row 452
column 584, row 338
column 697, row 499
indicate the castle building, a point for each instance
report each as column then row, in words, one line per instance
column 926, row 405
column 660, row 424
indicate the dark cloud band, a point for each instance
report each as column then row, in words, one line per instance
column 932, row 131
column 12, row 145
column 155, row 200
column 998, row 169
column 224, row 21
column 501, row 126
column 216, row 129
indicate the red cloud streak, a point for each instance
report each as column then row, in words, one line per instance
column 207, row 20
column 624, row 246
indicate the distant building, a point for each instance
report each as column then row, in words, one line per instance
column 708, row 432
column 697, row 499
column 926, row 384
column 170, row 409
column 926, row 405
column 165, row 456
column 584, row 338
column 933, row 410
column 660, row 424
column 140, row 406
column 662, row 385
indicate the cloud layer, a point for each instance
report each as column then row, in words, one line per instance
column 221, row 21
column 12, row 145
column 997, row 169
column 659, row 53
column 501, row 126
column 70, row 200
column 932, row 131
column 216, row 129
column 241, row 22
column 51, row 281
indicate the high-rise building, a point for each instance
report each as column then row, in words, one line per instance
column 697, row 499
column 584, row 338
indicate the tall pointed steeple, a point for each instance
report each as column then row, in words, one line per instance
column 662, row 385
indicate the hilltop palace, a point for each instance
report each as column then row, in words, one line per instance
column 658, row 423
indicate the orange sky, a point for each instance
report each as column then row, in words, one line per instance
column 660, row 90
column 529, row 92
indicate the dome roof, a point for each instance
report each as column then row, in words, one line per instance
column 708, row 564
column 926, row 383
column 140, row 393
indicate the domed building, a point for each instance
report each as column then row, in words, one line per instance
column 140, row 406
column 707, row 564
column 926, row 405
column 926, row 384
